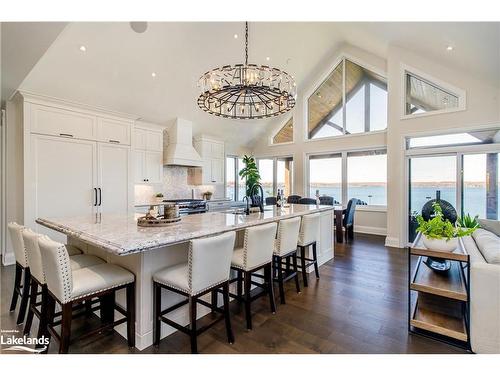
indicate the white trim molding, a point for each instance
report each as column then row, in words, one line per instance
column 370, row 230
column 393, row 242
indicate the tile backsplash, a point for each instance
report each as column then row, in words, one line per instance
column 175, row 186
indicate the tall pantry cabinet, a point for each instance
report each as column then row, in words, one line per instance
column 77, row 161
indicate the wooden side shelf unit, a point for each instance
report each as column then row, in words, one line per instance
column 439, row 303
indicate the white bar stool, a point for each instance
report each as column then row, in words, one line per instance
column 256, row 254
column 22, row 290
column 207, row 269
column 68, row 287
column 38, row 279
column 286, row 249
column 309, row 227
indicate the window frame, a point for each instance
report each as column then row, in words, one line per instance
column 343, row 153
column 318, row 82
column 236, row 176
column 275, row 169
column 460, row 93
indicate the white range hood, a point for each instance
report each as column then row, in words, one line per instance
column 179, row 150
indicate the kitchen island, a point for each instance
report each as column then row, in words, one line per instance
column 118, row 240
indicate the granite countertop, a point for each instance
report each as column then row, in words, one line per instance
column 120, row 235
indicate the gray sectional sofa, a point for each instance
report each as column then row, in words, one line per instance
column 484, row 250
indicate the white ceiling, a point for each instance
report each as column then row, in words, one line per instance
column 115, row 71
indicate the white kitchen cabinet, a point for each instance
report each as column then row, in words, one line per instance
column 63, row 181
column 213, row 155
column 113, row 131
column 61, row 122
column 148, row 155
column 113, row 178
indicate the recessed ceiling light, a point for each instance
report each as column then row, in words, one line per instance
column 83, row 48
column 268, row 58
column 235, row 36
column 153, row 74
column 449, row 48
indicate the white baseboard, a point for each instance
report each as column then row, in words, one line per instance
column 370, row 230
column 392, row 242
column 8, row 259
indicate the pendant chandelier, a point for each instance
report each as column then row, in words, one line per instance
column 247, row 91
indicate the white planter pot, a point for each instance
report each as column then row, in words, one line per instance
column 440, row 244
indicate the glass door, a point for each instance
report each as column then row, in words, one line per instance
column 284, row 177
column 427, row 176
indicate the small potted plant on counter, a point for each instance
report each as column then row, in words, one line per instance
column 207, row 195
column 159, row 197
column 438, row 233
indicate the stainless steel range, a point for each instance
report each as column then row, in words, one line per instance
column 189, row 206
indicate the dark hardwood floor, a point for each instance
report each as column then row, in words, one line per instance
column 358, row 306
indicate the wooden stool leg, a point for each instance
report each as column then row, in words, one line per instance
column 31, row 307
column 67, row 312
column 248, row 286
column 239, row 283
column 315, row 258
column 296, row 270
column 156, row 313
column 213, row 300
column 25, row 296
column 303, row 265
column 281, row 285
column 107, row 308
column 42, row 325
column 17, row 285
column 268, row 275
column 51, row 309
column 227, row 318
column 130, row 315
column 192, row 324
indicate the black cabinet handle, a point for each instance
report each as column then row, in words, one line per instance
column 95, row 197
column 66, row 135
column 100, row 196
column 113, row 141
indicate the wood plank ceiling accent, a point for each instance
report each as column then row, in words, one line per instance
column 327, row 98
column 428, row 96
column 285, row 134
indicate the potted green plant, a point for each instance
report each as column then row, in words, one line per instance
column 250, row 173
column 468, row 221
column 440, row 234
column 159, row 197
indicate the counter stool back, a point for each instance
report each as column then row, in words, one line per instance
column 207, row 269
column 256, row 254
column 285, row 250
column 22, row 271
column 38, row 280
column 69, row 287
column 309, row 231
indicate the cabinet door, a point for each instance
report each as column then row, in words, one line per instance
column 206, row 170
column 62, row 178
column 154, row 141
column 61, row 122
column 217, row 150
column 139, row 139
column 114, row 178
column 154, row 166
column 139, row 165
column 113, row 131
column 217, row 170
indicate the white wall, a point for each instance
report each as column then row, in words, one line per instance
column 483, row 108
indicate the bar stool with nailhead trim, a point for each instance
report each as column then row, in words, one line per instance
column 207, row 269
column 68, row 288
column 22, row 267
column 309, row 230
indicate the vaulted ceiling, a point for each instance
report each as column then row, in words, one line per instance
column 116, row 70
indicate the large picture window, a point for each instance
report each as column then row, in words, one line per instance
column 351, row 100
column 235, row 187
column 346, row 175
column 276, row 173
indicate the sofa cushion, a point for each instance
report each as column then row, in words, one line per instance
column 489, row 245
column 490, row 225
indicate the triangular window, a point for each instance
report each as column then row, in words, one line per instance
column 285, row 134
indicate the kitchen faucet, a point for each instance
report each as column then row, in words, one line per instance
column 257, row 200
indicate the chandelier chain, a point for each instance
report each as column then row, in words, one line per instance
column 246, row 43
